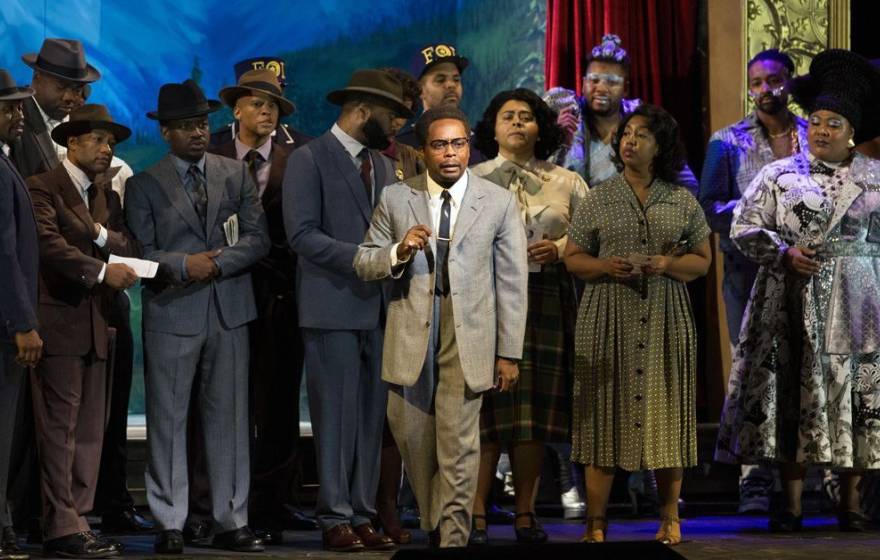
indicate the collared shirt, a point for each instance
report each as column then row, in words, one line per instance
column 182, row 167
column 265, row 151
column 82, row 183
column 60, row 151
column 354, row 148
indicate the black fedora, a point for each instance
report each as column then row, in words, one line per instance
column 85, row 119
column 63, row 58
column 11, row 92
column 378, row 84
column 262, row 80
column 183, row 101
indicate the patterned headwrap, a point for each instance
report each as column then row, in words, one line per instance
column 609, row 50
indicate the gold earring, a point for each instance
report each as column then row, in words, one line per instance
column 850, row 144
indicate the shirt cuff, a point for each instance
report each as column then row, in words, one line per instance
column 101, row 274
column 184, row 277
column 394, row 260
column 102, row 237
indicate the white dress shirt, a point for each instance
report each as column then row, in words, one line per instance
column 354, row 148
column 60, row 151
column 82, row 182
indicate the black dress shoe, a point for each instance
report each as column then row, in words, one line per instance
column 295, row 520
column 478, row 537
column 852, row 522
column 497, row 515
column 196, row 532
column 786, row 522
column 273, row 535
column 81, row 545
column 533, row 534
column 9, row 549
column 169, row 542
column 238, row 540
column 125, row 521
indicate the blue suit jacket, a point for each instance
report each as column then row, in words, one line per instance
column 19, row 254
column 326, row 215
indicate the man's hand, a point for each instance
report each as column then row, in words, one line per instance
column 543, row 252
column 200, row 267
column 797, row 259
column 508, row 374
column 30, row 347
column 569, row 121
column 617, row 267
column 414, row 240
column 119, row 276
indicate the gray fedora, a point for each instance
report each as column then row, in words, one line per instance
column 63, row 58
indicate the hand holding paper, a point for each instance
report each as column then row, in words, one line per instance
column 143, row 268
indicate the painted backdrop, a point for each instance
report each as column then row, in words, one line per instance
column 138, row 46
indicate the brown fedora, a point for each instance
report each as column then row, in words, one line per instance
column 85, row 119
column 261, row 80
column 9, row 91
column 183, row 101
column 376, row 83
column 63, row 58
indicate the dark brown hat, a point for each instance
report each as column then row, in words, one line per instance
column 183, row 101
column 378, row 84
column 262, row 81
column 85, row 119
column 63, row 58
column 9, row 91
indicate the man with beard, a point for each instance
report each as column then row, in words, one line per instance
column 734, row 156
column 81, row 225
column 330, row 189
column 592, row 127
column 198, row 215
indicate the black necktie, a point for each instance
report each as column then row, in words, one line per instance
column 253, row 159
column 367, row 173
column 198, row 193
column 441, row 277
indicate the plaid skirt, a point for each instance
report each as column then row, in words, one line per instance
column 539, row 406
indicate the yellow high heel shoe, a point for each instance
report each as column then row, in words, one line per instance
column 670, row 531
column 596, row 529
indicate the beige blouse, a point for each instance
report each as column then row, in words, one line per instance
column 548, row 194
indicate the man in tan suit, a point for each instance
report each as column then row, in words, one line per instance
column 80, row 225
column 456, row 318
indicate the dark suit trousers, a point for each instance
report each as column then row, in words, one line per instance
column 69, row 394
column 12, row 380
column 347, row 404
column 112, row 493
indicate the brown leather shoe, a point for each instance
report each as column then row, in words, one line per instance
column 342, row 539
column 373, row 540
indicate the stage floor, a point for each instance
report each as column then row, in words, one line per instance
column 728, row 537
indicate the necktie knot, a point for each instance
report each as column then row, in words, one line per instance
column 253, row 157
column 445, row 195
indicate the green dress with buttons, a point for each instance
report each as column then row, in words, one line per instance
column 635, row 342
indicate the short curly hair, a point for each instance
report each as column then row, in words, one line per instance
column 550, row 134
column 670, row 158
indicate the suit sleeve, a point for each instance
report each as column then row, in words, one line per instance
column 511, row 282
column 303, row 207
column 120, row 241
column 373, row 258
column 15, row 307
column 56, row 253
column 142, row 225
column 253, row 240
column 715, row 191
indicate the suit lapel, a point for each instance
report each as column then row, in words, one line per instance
column 171, row 184
column 418, row 203
column 352, row 176
column 41, row 138
column 71, row 196
column 470, row 209
column 19, row 183
column 214, row 187
column 278, row 163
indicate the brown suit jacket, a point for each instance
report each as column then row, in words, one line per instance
column 73, row 306
column 34, row 151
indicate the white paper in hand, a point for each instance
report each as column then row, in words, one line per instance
column 534, row 233
column 230, row 229
column 141, row 267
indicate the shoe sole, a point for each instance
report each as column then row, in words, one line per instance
column 87, row 556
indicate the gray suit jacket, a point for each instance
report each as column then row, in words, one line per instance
column 488, row 279
column 163, row 219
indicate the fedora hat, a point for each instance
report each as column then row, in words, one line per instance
column 262, row 81
column 63, row 58
column 378, row 84
column 183, row 101
column 85, row 119
column 11, row 92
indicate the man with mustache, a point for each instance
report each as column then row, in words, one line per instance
column 198, row 215
column 81, row 225
column 330, row 189
column 20, row 342
column 734, row 156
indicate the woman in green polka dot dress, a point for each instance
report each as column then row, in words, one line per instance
column 636, row 239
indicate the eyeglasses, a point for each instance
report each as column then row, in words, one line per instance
column 439, row 146
column 596, row 78
column 190, row 125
